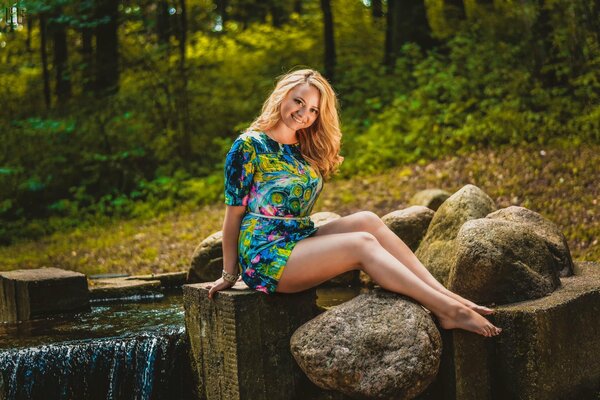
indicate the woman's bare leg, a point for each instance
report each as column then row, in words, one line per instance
column 369, row 222
column 317, row 259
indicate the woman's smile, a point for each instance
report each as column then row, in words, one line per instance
column 297, row 119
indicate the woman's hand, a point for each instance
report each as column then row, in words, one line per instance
column 217, row 285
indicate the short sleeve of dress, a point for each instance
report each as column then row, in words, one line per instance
column 239, row 171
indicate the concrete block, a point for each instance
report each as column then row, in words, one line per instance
column 36, row 293
column 240, row 342
column 549, row 349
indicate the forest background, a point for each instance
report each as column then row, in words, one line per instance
column 115, row 116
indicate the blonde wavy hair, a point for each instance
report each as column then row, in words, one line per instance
column 319, row 143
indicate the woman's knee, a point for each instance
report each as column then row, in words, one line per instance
column 368, row 221
column 365, row 243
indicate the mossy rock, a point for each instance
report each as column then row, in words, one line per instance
column 203, row 267
column 430, row 198
column 409, row 224
column 500, row 262
column 437, row 247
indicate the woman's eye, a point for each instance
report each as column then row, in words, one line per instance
column 314, row 111
column 297, row 101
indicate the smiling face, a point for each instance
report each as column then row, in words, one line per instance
column 300, row 108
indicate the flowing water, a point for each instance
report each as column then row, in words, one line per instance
column 131, row 350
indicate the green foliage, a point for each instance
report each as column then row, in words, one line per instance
column 478, row 93
column 161, row 140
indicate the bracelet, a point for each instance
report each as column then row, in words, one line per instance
column 231, row 278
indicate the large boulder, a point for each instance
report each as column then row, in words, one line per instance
column 545, row 230
column 437, row 247
column 207, row 260
column 409, row 224
column 430, row 198
column 379, row 345
column 497, row 261
column 323, row 217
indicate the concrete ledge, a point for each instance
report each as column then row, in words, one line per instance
column 548, row 348
column 36, row 293
column 168, row 280
column 240, row 342
column 117, row 288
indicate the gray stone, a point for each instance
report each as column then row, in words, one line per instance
column 378, row 345
column 497, row 261
column 545, row 230
column 207, row 260
column 409, row 224
column 430, row 198
column 167, row 279
column 323, row 217
column 437, row 247
column 36, row 293
column 240, row 342
column 119, row 288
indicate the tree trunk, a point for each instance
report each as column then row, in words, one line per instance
column 87, row 54
column 278, row 13
column 298, row 6
column 413, row 25
column 376, row 9
column 163, row 26
column 329, row 40
column 542, row 44
column 222, row 12
column 389, row 58
column 63, row 79
column 406, row 22
column 185, row 145
column 45, row 61
column 107, row 54
column 8, row 19
column 29, row 28
column 454, row 11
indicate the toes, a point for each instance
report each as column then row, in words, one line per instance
column 495, row 330
column 486, row 311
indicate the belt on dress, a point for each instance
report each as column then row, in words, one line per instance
column 274, row 217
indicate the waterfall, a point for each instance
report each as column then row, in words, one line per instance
column 149, row 365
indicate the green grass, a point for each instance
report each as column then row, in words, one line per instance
column 559, row 183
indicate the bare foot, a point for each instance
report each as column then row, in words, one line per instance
column 467, row 319
column 478, row 309
column 475, row 307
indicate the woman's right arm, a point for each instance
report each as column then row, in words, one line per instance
column 231, row 231
column 239, row 174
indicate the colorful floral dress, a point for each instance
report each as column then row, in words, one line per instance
column 272, row 180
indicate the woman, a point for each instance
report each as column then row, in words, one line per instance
column 273, row 175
